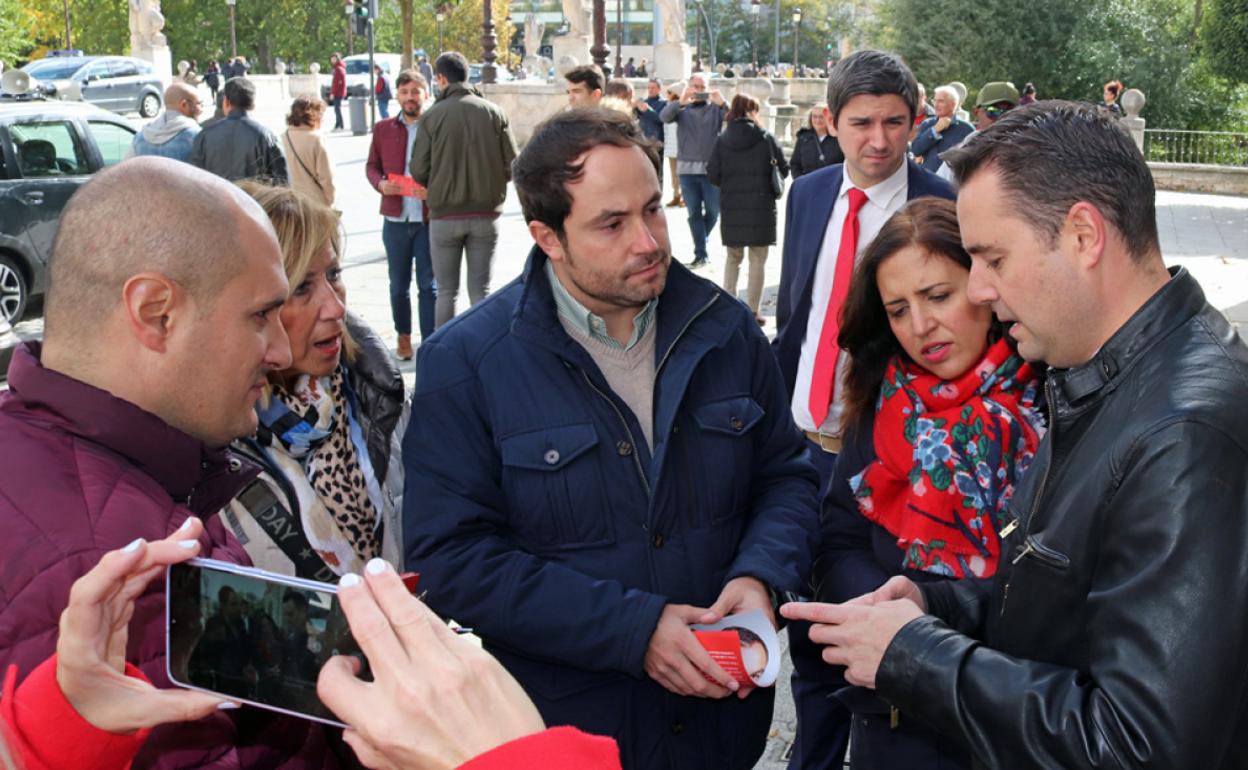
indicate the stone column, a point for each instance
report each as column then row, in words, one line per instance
column 1132, row 102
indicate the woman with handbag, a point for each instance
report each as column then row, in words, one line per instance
column 311, row 173
column 749, row 168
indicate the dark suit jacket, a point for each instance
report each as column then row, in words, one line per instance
column 811, row 201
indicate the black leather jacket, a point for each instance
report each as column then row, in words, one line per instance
column 1116, row 633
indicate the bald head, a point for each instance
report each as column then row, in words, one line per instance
column 184, row 99
column 145, row 215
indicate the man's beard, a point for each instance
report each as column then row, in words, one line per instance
column 413, row 114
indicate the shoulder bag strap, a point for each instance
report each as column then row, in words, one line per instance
column 290, row 140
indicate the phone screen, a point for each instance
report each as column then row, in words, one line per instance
column 254, row 636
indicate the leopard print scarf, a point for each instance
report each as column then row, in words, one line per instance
column 309, row 425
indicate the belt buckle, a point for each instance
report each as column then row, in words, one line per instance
column 829, row 443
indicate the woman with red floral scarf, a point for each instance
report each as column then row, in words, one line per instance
column 942, row 422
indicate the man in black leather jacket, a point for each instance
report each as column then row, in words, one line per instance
column 1115, row 633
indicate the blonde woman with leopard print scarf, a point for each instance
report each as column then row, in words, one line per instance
column 329, row 498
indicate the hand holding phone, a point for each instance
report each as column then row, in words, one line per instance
column 431, row 689
column 91, row 648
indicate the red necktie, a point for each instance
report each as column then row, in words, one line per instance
column 828, row 351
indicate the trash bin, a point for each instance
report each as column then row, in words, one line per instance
column 359, row 115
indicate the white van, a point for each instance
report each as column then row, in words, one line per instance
column 357, row 72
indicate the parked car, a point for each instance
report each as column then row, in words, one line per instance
column 501, row 73
column 357, row 72
column 8, row 342
column 48, row 149
column 118, row 83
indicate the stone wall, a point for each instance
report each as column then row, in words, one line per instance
column 527, row 103
column 1196, row 177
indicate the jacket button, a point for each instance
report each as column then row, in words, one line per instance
column 736, row 423
column 677, row 728
column 657, row 540
column 624, row 448
column 675, row 429
column 551, row 457
column 235, row 464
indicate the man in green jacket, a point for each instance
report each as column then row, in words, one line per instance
column 463, row 155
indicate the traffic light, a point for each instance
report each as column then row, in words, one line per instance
column 360, row 16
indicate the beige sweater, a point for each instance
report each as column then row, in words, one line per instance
column 302, row 143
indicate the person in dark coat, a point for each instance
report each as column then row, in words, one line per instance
column 212, row 78
column 815, row 146
column 741, row 167
column 884, row 503
column 581, row 484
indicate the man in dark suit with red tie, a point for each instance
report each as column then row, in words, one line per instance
column 833, row 214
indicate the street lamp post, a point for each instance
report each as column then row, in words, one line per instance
column 797, row 36
column 619, row 37
column 441, row 17
column 233, row 36
column 488, row 43
column 756, row 6
column 697, row 35
column 600, row 52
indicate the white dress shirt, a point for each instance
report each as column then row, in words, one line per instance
column 883, row 200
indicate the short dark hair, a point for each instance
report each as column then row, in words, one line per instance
column 928, row 223
column 589, row 74
column 410, row 75
column 241, row 92
column 296, row 598
column 548, row 162
column 874, row 73
column 620, row 89
column 742, row 105
column 451, row 65
column 1052, row 154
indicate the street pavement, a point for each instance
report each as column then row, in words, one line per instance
column 1208, row 234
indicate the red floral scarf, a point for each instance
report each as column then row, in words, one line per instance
column 949, row 454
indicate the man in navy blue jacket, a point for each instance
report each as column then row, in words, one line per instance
column 872, row 99
column 601, row 454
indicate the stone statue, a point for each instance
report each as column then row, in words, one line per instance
column 146, row 23
column 534, row 28
column 578, row 17
column 673, row 13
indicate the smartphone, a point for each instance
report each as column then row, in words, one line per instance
column 254, row 636
column 701, row 96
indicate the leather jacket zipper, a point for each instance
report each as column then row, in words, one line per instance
column 1029, row 544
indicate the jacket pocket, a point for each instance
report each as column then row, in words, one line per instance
column 724, row 453
column 555, row 488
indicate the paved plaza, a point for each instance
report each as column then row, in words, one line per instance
column 1208, row 234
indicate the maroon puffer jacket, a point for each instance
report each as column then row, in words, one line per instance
column 83, row 473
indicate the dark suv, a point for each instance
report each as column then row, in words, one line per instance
column 48, row 149
column 118, row 83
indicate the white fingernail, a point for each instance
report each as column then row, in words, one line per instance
column 134, row 546
column 376, row 566
column 186, row 524
column 226, row 706
column 349, row 580
column 187, row 544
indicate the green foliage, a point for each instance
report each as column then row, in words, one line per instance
column 1069, row 49
column 301, row 31
column 1224, row 31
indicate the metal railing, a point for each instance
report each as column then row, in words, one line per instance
column 1219, row 148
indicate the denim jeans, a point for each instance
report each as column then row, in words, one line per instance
column 337, row 102
column 702, row 203
column 407, row 243
column 383, row 106
column 453, row 241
